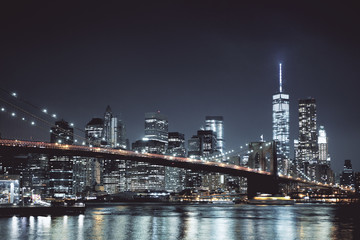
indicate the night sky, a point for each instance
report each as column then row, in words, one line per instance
column 188, row 60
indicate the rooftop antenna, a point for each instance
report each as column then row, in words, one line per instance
column 280, row 75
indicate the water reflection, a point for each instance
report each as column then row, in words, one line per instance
column 156, row 221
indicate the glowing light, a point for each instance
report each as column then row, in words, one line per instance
column 54, row 115
column 13, row 114
column 44, row 110
column 280, row 78
column 32, row 123
column 71, row 124
column 23, row 119
column 14, row 94
column 3, row 109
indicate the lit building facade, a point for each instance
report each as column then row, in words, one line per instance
column 308, row 145
column 323, row 147
column 114, row 131
column 156, row 127
column 281, row 127
column 142, row 175
column 175, row 177
column 216, row 124
column 61, row 167
column 93, row 171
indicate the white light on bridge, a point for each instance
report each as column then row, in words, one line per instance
column 13, row 114
column 54, row 115
column 32, row 123
column 3, row 109
column 44, row 110
column 23, row 119
column 71, row 124
column 14, row 94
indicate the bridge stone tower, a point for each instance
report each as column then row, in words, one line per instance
column 263, row 157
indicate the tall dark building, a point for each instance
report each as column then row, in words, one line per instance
column 357, row 182
column 347, row 175
column 201, row 146
column 307, row 150
column 208, row 142
column 194, row 147
column 107, row 125
column 61, row 167
column 176, row 144
column 35, row 175
column 62, row 133
column 94, row 131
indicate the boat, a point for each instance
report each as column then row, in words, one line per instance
column 268, row 199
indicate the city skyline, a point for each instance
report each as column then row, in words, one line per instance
column 206, row 64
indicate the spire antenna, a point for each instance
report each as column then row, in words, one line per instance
column 280, row 78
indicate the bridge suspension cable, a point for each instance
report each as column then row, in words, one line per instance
column 13, row 95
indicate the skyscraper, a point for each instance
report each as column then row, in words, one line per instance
column 61, row 167
column 175, row 177
column 114, row 133
column 308, row 140
column 216, row 124
column 156, row 127
column 347, row 176
column 107, row 125
column 142, row 175
column 281, row 125
column 94, row 131
column 323, row 147
column 208, row 142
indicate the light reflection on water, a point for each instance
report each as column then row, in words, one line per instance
column 159, row 221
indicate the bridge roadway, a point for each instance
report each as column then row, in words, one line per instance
column 14, row 147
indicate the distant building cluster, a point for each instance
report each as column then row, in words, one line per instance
column 71, row 175
column 312, row 160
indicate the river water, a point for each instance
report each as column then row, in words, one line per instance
column 180, row 221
